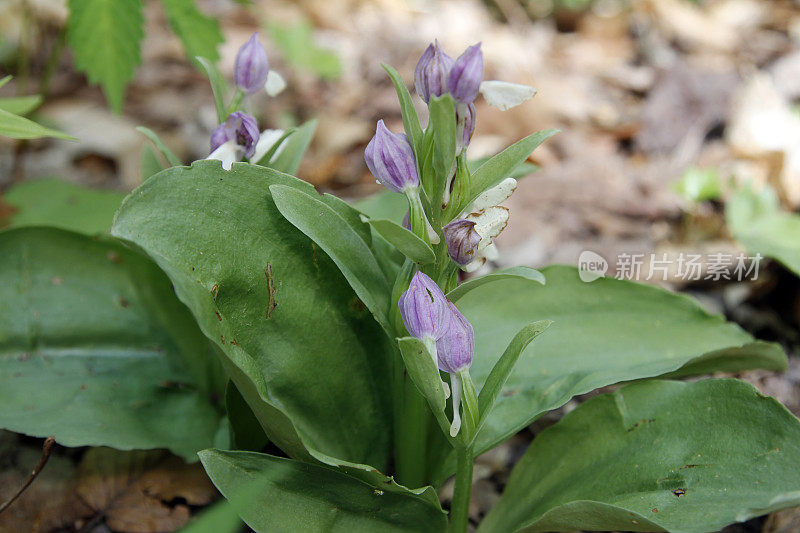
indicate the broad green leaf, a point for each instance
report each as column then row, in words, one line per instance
column 105, row 36
column 519, row 272
column 505, row 365
column 96, row 349
column 604, row 332
column 756, row 221
column 307, row 357
column 295, row 496
column 443, row 121
column 18, row 127
column 500, row 166
column 299, row 49
column 199, row 33
column 294, row 149
column 168, row 154
column 410, row 117
column 219, row 87
column 657, row 456
column 333, row 234
column 409, row 244
column 57, row 203
column 20, row 105
column 246, row 433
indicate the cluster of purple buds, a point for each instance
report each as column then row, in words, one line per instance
column 436, row 74
column 252, row 66
column 235, row 138
column 448, row 335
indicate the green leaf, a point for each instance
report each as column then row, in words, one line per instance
column 57, row 203
column 505, row 365
column 410, row 117
column 425, row 376
column 604, row 332
column 501, row 165
column 443, row 121
column 307, row 357
column 520, row 171
column 246, row 432
column 333, row 234
column 699, row 185
column 757, row 222
column 385, row 204
column 219, row 87
column 661, row 456
column 168, row 154
column 96, row 349
column 104, row 36
column 218, row 518
column 17, row 127
column 519, row 272
column 200, row 34
column 295, row 496
column 149, row 162
column 409, row 244
column 5, row 80
column 20, row 105
column 299, row 49
column 288, row 161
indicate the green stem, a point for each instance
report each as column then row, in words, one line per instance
column 459, row 509
column 411, row 437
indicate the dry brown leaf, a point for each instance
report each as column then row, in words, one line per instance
column 137, row 491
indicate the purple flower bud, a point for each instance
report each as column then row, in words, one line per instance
column 391, row 159
column 219, row 136
column 462, row 240
column 423, row 308
column 433, row 72
column 465, row 118
column 251, row 67
column 466, row 75
column 454, row 348
column 240, row 128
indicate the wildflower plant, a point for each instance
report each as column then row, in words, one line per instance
column 233, row 305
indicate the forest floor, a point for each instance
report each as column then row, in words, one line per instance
column 643, row 91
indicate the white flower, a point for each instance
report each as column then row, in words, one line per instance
column 228, row 152
column 267, row 139
column 504, row 95
column 490, row 220
column 275, row 83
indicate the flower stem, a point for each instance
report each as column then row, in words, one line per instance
column 459, row 509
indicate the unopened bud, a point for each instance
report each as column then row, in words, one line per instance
column 252, row 66
column 466, row 75
column 462, row 241
column 432, row 75
column 391, row 160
